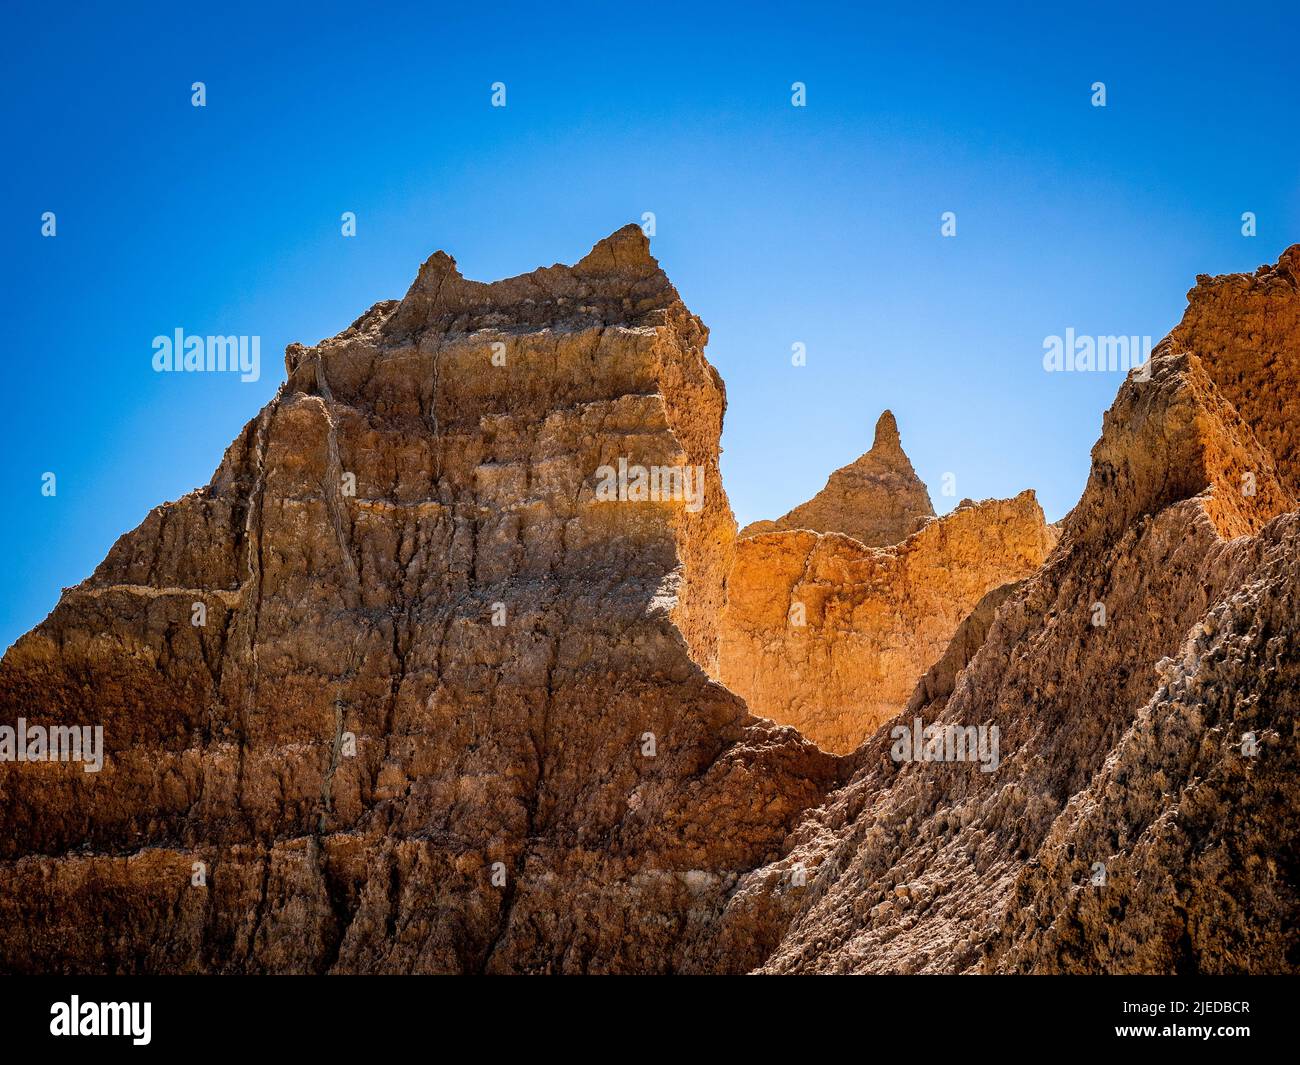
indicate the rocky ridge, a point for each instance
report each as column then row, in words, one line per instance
column 454, row 710
column 449, row 710
column 1143, row 817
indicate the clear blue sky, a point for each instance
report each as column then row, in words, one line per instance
column 818, row 225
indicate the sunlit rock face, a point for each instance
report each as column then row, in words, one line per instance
column 1143, row 815
column 451, row 701
column 450, row 705
column 831, row 636
column 877, row 500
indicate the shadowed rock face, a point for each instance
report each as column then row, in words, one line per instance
column 450, row 711
column 453, row 709
column 877, row 499
column 830, row 636
column 1129, row 827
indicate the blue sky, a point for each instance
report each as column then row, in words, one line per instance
column 818, row 225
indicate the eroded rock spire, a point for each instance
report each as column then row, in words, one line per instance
column 877, row 499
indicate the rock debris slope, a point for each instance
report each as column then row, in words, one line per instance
column 451, row 711
column 1144, row 815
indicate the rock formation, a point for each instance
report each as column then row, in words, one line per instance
column 424, row 680
column 830, row 636
column 1144, row 812
column 450, row 707
column 877, row 499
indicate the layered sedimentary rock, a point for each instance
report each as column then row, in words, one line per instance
column 1143, row 814
column 877, row 499
column 830, row 636
column 450, row 705
column 405, row 688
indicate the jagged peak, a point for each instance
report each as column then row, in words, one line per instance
column 877, row 498
column 618, row 275
column 626, row 249
column 1285, row 272
column 887, row 437
column 886, row 454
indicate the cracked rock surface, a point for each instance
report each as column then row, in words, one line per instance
column 1145, row 811
column 830, row 636
column 452, row 709
column 449, row 711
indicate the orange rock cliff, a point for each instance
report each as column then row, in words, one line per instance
column 455, row 709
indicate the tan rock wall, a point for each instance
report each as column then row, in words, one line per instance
column 873, row 620
column 1126, row 828
column 459, row 719
column 500, row 811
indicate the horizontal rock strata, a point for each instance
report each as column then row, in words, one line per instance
column 426, row 678
column 451, row 707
